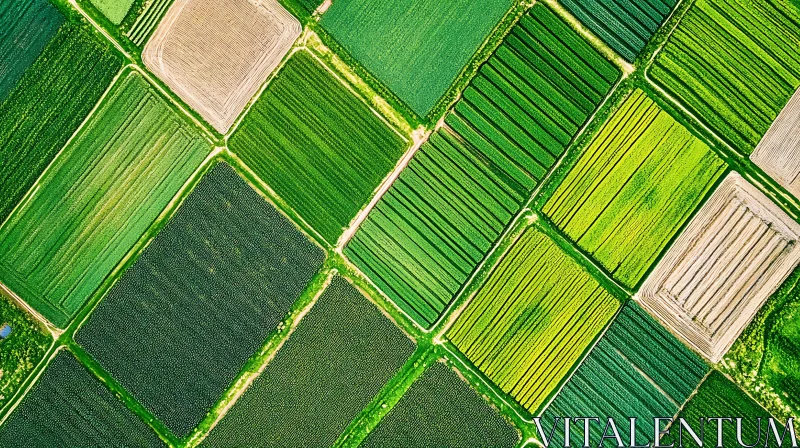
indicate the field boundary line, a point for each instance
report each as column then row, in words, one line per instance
column 102, row 31
column 31, row 380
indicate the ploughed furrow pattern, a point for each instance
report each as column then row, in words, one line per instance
column 530, row 99
column 778, row 153
column 734, row 254
column 734, row 64
column 634, row 187
column 51, row 100
column 148, row 20
column 532, row 320
column 625, row 25
column 97, row 198
column 637, row 369
column 433, row 226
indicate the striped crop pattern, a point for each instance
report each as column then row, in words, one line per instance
column 148, row 20
column 532, row 320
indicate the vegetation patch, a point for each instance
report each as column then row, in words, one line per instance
column 339, row 357
column 215, row 54
column 68, row 406
column 532, row 319
column 634, row 188
column 48, row 103
column 440, row 409
column 114, row 10
column 416, row 47
column 319, row 147
column 637, row 369
column 97, row 199
column 21, row 350
column 625, row 25
column 178, row 326
column 734, row 64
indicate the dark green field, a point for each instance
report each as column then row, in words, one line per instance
column 201, row 299
column 21, row 351
column 317, row 145
column 338, row 358
column 441, row 410
column 69, row 407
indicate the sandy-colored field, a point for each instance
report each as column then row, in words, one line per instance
column 732, row 256
column 778, row 153
column 216, row 53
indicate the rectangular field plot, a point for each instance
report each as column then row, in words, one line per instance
column 633, row 188
column 178, row 326
column 778, row 153
column 731, row 257
column 734, row 63
column 339, row 357
column 440, row 409
column 68, row 406
column 317, row 145
column 532, row 319
column 637, row 369
column 625, row 25
column 215, row 54
column 21, row 350
column 97, row 198
column 461, row 189
column 49, row 102
column 114, row 10
column 416, row 48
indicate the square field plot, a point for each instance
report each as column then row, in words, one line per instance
column 532, row 319
column 634, row 187
column 97, row 199
column 734, row 64
column 637, row 369
column 778, row 153
column 178, row 326
column 416, row 48
column 732, row 256
column 339, row 357
column 68, row 406
column 440, row 409
column 462, row 188
column 215, row 54
column 317, row 145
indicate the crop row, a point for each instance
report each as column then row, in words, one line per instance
column 778, row 153
column 147, row 21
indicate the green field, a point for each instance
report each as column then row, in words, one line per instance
column 50, row 101
column 68, row 406
column 633, row 188
column 625, row 25
column 317, row 145
column 532, row 320
column 114, row 10
column 765, row 360
column 734, row 64
column 637, row 369
column 339, row 357
column 441, row 410
column 147, row 21
column 96, row 200
column 203, row 297
column 416, row 48
column 26, row 26
column 21, row 351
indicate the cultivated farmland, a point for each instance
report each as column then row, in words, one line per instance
column 626, row 26
column 21, row 351
column 148, row 20
column 734, row 64
column 26, row 26
column 532, row 320
column 440, row 409
column 335, row 362
column 203, row 297
column 316, row 145
column 96, row 200
column 69, row 407
column 436, row 223
column 215, row 54
column 114, row 10
column 778, row 153
column 633, row 188
column 637, row 369
column 730, row 258
column 416, row 48
column 48, row 103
